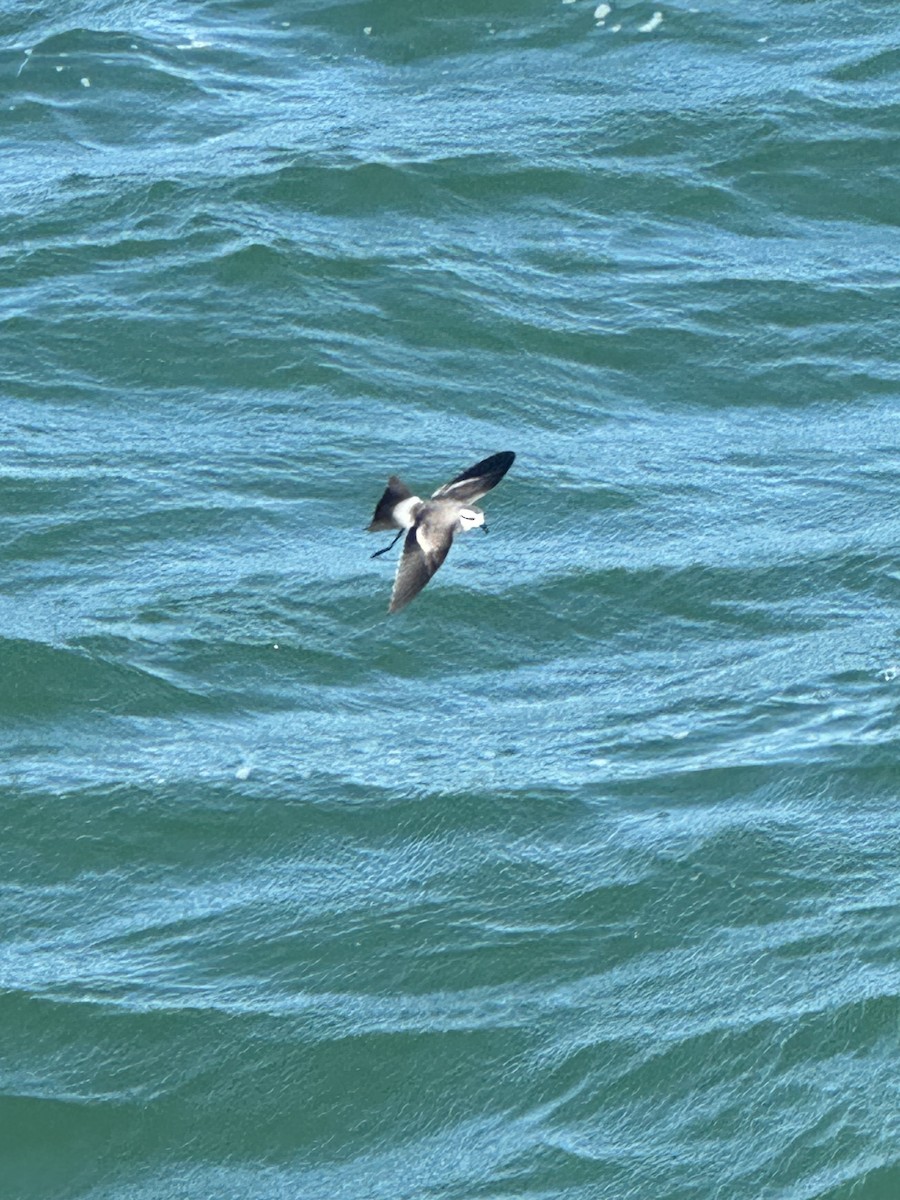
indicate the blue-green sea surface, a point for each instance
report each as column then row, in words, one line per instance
column 578, row 878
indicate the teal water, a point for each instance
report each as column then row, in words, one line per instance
column 578, row 878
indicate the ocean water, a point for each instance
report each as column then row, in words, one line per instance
column 578, row 878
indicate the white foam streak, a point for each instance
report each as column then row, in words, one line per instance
column 654, row 23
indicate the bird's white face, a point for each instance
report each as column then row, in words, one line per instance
column 469, row 519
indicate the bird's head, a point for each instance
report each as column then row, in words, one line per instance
column 471, row 518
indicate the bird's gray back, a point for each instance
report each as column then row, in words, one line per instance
column 436, row 521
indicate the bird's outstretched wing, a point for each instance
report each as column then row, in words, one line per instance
column 425, row 548
column 467, row 487
column 395, row 491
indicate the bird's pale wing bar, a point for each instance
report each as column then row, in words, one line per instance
column 417, row 562
column 477, row 480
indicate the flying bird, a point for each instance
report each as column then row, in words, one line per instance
column 430, row 525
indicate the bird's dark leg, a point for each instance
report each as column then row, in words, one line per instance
column 484, row 528
column 385, row 549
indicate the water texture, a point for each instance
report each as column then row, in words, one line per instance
column 578, row 878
